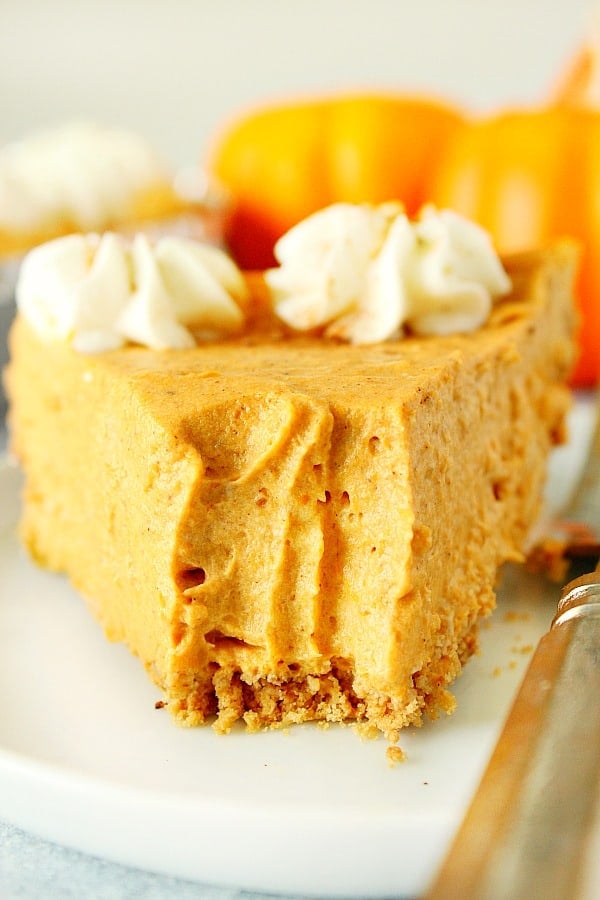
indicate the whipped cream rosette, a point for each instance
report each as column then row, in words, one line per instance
column 367, row 273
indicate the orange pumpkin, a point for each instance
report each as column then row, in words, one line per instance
column 527, row 177
column 283, row 162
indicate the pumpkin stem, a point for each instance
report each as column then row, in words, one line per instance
column 579, row 84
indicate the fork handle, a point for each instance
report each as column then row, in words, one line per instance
column 526, row 831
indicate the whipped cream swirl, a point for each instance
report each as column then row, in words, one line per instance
column 367, row 272
column 83, row 173
column 100, row 292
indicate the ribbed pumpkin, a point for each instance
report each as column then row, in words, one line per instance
column 529, row 176
column 285, row 161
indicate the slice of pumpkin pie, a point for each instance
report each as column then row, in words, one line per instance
column 290, row 493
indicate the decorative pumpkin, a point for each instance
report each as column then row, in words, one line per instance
column 283, row 162
column 529, row 176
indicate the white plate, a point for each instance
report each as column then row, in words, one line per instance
column 86, row 759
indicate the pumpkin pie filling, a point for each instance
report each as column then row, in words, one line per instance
column 285, row 527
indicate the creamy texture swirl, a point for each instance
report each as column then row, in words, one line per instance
column 100, row 292
column 83, row 173
column 365, row 272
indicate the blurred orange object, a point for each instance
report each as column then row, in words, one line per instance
column 579, row 82
column 532, row 175
column 283, row 162
column 527, row 177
